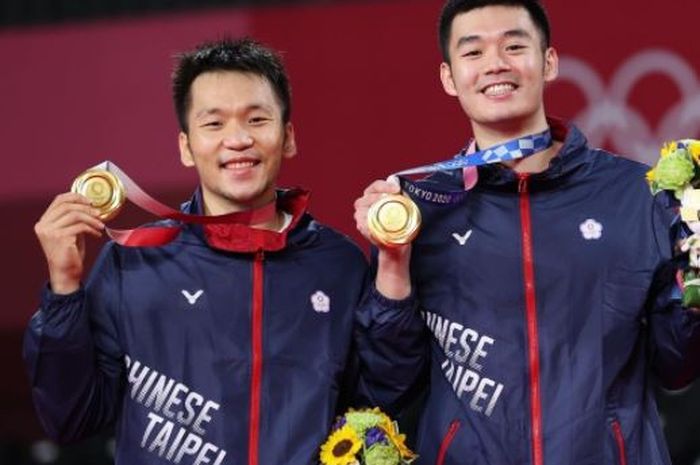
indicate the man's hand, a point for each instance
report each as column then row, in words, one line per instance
column 61, row 232
column 372, row 193
column 393, row 277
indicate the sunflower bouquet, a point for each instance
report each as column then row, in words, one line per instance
column 366, row 437
column 678, row 170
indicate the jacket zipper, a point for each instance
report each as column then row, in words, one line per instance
column 620, row 441
column 256, row 345
column 533, row 350
column 446, row 441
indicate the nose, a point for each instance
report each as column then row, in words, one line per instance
column 497, row 62
column 238, row 139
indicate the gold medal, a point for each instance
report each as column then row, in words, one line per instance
column 104, row 189
column 394, row 220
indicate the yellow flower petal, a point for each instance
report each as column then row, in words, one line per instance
column 651, row 175
column 694, row 149
column 341, row 447
column 668, row 148
column 398, row 440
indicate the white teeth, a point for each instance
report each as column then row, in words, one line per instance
column 499, row 89
column 240, row 164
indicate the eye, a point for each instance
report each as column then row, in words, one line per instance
column 471, row 53
column 258, row 120
column 212, row 124
column 515, row 47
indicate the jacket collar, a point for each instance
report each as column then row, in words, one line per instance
column 235, row 237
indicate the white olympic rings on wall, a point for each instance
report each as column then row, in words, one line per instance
column 609, row 117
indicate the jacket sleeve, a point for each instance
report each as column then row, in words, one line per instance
column 673, row 329
column 392, row 344
column 73, row 356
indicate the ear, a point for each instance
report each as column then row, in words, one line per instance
column 186, row 157
column 551, row 64
column 290, row 144
column 447, row 81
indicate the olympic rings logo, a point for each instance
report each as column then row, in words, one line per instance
column 608, row 114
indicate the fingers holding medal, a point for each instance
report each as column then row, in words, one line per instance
column 96, row 196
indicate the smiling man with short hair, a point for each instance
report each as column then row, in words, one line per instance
column 232, row 344
column 548, row 290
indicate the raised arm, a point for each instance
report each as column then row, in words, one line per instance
column 70, row 349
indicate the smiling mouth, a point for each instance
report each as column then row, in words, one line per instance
column 497, row 90
column 240, row 164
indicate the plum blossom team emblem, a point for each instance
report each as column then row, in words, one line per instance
column 321, row 302
column 591, row 230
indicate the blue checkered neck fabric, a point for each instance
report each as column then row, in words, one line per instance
column 511, row 150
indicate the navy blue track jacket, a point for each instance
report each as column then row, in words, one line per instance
column 550, row 312
column 203, row 356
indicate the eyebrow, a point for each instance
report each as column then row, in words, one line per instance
column 207, row 112
column 511, row 33
column 517, row 33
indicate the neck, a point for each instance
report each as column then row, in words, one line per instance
column 488, row 135
column 273, row 224
column 494, row 134
column 272, row 221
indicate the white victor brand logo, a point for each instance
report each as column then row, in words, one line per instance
column 192, row 298
column 609, row 116
column 462, row 239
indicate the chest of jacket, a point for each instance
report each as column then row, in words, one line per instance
column 593, row 255
column 209, row 302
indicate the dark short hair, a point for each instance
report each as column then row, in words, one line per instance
column 452, row 8
column 243, row 55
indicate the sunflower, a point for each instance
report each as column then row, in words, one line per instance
column 341, row 447
column 694, row 149
column 397, row 439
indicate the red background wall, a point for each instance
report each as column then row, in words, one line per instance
column 367, row 102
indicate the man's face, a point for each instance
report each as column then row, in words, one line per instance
column 236, row 140
column 497, row 67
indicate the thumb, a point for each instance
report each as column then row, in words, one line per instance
column 394, row 181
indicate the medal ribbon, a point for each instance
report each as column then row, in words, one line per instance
column 468, row 160
column 151, row 236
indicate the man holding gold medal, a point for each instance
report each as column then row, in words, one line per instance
column 231, row 341
column 543, row 271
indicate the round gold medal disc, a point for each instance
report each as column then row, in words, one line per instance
column 105, row 191
column 394, row 220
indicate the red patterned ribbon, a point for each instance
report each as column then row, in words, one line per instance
column 153, row 236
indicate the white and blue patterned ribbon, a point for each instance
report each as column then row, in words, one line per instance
column 512, row 150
